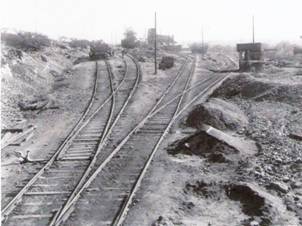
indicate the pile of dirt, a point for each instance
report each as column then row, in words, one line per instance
column 163, row 221
column 266, row 108
column 217, row 113
column 203, row 189
column 258, row 206
column 272, row 102
column 252, row 203
column 35, row 104
column 201, row 144
column 246, row 86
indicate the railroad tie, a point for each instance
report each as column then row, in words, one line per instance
column 26, row 216
column 47, row 193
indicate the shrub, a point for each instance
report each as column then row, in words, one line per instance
column 27, row 41
column 130, row 40
column 199, row 48
column 99, row 49
column 79, row 43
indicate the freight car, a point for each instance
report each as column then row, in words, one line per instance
column 166, row 63
column 100, row 50
column 297, row 50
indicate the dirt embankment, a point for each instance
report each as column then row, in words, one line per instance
column 45, row 90
column 30, row 80
column 250, row 88
column 268, row 185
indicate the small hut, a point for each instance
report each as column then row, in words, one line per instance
column 250, row 56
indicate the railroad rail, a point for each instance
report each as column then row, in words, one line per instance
column 65, row 211
column 11, row 205
column 120, row 193
column 209, row 84
column 119, row 218
column 74, row 157
column 104, row 139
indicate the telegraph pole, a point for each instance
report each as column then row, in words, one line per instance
column 253, row 30
column 155, row 46
column 202, row 42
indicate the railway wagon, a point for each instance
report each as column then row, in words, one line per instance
column 100, row 51
column 297, row 50
column 166, row 63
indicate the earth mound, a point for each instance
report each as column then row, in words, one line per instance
column 219, row 114
column 246, row 86
column 203, row 145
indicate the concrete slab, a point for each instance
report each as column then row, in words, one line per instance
column 246, row 147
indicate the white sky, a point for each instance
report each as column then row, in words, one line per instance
column 222, row 20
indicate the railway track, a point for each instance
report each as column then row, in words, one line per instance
column 121, row 171
column 117, row 132
column 38, row 201
column 118, row 164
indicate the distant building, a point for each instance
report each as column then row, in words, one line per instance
column 297, row 50
column 250, row 56
column 173, row 48
column 162, row 40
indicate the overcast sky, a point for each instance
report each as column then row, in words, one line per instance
column 222, row 20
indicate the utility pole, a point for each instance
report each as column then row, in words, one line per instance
column 202, row 43
column 253, row 30
column 155, row 46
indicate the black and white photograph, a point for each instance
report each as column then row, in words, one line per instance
column 151, row 113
